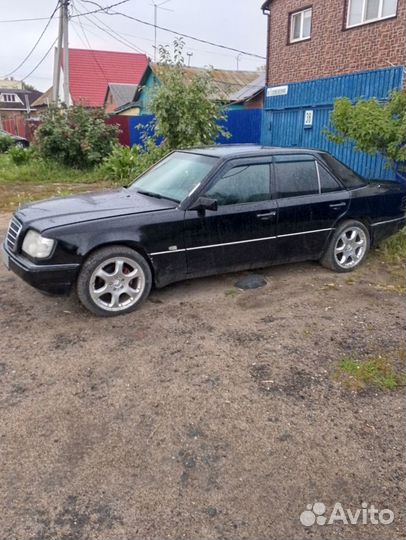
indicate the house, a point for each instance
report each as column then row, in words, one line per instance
column 91, row 72
column 227, row 84
column 118, row 97
column 250, row 96
column 16, row 105
column 320, row 50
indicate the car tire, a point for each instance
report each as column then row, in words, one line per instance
column 348, row 247
column 114, row 280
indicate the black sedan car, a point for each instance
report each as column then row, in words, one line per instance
column 18, row 141
column 200, row 212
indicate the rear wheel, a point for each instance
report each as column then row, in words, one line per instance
column 348, row 247
column 114, row 281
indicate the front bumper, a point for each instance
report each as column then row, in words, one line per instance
column 50, row 278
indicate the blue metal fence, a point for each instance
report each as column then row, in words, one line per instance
column 244, row 126
column 283, row 122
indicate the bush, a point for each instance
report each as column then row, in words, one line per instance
column 19, row 155
column 5, row 143
column 373, row 126
column 128, row 163
column 187, row 110
column 76, row 137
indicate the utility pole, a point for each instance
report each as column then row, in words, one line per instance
column 63, row 39
column 238, row 61
column 66, row 89
column 156, row 7
column 57, row 59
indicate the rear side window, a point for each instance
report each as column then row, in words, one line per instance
column 349, row 178
column 296, row 176
column 327, row 182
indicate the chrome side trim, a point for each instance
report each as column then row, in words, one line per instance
column 241, row 242
column 387, row 221
column 303, row 232
column 164, row 252
column 232, row 243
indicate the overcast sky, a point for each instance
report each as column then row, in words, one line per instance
column 236, row 23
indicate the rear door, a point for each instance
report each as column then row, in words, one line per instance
column 242, row 232
column 310, row 203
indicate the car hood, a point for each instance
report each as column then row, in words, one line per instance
column 87, row 207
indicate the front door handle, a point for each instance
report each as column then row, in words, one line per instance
column 337, row 205
column 266, row 215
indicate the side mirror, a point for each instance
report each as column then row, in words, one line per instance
column 204, row 203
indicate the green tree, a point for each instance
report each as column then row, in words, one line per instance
column 185, row 111
column 373, row 126
column 75, row 136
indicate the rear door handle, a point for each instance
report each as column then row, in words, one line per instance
column 337, row 205
column 266, row 215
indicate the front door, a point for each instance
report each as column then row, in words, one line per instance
column 241, row 233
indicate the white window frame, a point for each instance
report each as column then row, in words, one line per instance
column 292, row 26
column 6, row 95
column 364, row 10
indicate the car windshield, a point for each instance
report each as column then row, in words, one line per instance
column 349, row 178
column 175, row 176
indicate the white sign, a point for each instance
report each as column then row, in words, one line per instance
column 277, row 91
column 308, row 118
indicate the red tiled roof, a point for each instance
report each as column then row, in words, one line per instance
column 91, row 71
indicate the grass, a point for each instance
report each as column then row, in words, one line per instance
column 393, row 250
column 37, row 171
column 379, row 372
column 39, row 179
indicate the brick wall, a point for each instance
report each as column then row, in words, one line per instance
column 331, row 50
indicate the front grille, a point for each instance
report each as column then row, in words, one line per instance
column 13, row 233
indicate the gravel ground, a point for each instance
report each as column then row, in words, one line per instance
column 209, row 413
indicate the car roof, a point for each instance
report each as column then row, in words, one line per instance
column 227, row 151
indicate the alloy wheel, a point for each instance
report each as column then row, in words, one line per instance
column 117, row 284
column 350, row 247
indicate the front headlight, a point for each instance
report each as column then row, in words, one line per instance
column 37, row 246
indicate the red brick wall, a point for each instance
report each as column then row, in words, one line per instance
column 331, row 50
column 255, row 103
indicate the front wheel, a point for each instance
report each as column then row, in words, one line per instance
column 114, row 281
column 348, row 247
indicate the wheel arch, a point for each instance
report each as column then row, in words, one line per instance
column 125, row 243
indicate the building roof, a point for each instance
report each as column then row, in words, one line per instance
column 122, row 93
column 225, row 82
column 249, row 91
column 44, row 99
column 23, row 96
column 91, row 71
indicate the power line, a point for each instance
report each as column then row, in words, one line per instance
column 40, row 62
column 142, row 38
column 103, row 9
column 100, row 9
column 36, row 43
column 155, row 26
column 187, row 36
column 112, row 33
column 91, row 50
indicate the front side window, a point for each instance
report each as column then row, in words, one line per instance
column 300, row 25
column 242, row 184
column 296, row 176
column 365, row 11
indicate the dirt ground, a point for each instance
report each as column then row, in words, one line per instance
column 210, row 413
